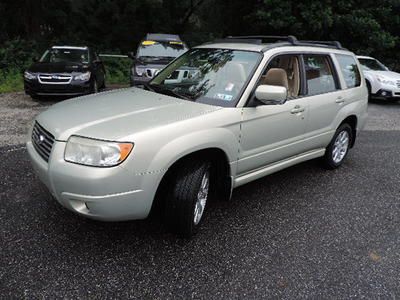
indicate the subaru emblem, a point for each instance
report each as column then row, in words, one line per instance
column 40, row 139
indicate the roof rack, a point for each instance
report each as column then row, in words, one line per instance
column 336, row 44
column 276, row 38
column 258, row 39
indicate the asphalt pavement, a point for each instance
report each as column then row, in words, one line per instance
column 304, row 232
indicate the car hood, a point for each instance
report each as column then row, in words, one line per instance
column 59, row 67
column 117, row 114
column 389, row 74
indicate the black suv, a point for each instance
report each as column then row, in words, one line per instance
column 153, row 54
column 65, row 71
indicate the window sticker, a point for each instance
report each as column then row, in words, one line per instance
column 224, row 97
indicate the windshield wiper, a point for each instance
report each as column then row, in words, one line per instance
column 163, row 90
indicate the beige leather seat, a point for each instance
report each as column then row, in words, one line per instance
column 276, row 76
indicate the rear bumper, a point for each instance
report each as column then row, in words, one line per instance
column 105, row 194
column 72, row 89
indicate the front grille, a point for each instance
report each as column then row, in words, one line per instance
column 42, row 141
column 55, row 79
column 398, row 84
column 173, row 75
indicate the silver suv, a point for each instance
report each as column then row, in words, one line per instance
column 248, row 107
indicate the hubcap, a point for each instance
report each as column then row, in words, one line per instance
column 340, row 146
column 201, row 198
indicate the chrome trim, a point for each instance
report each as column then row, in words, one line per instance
column 42, row 141
column 42, row 77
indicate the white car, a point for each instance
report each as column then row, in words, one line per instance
column 381, row 82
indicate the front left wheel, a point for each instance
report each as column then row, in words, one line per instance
column 187, row 199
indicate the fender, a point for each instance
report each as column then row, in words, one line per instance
column 220, row 138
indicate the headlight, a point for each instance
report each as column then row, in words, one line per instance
column 29, row 76
column 384, row 80
column 83, row 76
column 139, row 70
column 96, row 153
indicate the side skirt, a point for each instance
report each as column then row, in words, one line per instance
column 275, row 167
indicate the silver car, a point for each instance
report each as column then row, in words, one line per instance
column 246, row 107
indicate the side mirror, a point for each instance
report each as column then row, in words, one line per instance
column 271, row 94
column 132, row 55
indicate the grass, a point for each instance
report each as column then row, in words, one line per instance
column 117, row 72
column 11, row 81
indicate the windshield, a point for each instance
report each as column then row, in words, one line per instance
column 153, row 49
column 371, row 65
column 66, row 55
column 211, row 76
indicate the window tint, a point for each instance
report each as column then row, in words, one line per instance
column 350, row 70
column 319, row 75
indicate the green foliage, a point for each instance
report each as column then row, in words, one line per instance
column 11, row 81
column 117, row 70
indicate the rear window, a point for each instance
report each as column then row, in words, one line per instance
column 350, row 70
column 320, row 77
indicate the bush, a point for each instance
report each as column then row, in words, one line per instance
column 117, row 70
column 11, row 81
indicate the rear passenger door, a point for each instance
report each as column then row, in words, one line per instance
column 324, row 97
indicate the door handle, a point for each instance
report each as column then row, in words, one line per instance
column 339, row 100
column 297, row 109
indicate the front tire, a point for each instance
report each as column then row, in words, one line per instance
column 187, row 198
column 338, row 148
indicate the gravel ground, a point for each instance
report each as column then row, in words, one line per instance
column 300, row 233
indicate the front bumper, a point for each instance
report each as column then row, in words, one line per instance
column 106, row 194
column 387, row 93
column 35, row 88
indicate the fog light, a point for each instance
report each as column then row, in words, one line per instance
column 384, row 93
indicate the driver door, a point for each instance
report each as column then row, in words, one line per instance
column 272, row 133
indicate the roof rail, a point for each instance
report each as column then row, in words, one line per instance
column 336, row 44
column 277, row 38
column 258, row 40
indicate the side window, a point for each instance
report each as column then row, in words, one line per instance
column 350, row 71
column 283, row 70
column 320, row 77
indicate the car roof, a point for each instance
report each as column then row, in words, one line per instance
column 70, row 47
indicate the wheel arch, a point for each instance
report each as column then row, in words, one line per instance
column 352, row 121
column 221, row 169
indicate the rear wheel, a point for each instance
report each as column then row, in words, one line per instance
column 187, row 199
column 339, row 147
